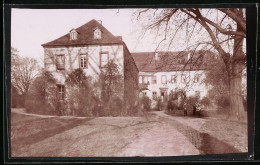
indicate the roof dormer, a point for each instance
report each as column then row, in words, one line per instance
column 156, row 56
column 97, row 33
column 73, row 34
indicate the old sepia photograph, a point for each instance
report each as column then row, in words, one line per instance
column 128, row 82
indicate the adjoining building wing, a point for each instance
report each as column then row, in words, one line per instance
column 163, row 72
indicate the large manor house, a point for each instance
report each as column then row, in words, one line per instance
column 154, row 74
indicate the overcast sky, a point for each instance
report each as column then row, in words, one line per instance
column 32, row 27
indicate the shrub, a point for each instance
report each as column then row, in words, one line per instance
column 159, row 104
column 42, row 98
column 80, row 97
column 146, row 103
column 205, row 101
column 190, row 102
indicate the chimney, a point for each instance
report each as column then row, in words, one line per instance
column 119, row 37
column 99, row 21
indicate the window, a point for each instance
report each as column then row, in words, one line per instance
column 196, row 78
column 104, row 59
column 61, row 91
column 140, row 79
column 164, row 79
column 156, row 56
column 73, row 34
column 154, row 80
column 60, row 63
column 183, row 78
column 97, row 34
column 83, row 61
column 145, row 80
column 173, row 78
column 144, row 93
column 197, row 94
column 154, row 95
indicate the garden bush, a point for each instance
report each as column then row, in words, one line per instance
column 146, row 103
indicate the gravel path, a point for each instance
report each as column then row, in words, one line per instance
column 157, row 134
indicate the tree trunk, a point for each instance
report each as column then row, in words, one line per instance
column 236, row 98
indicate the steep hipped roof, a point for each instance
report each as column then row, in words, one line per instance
column 172, row 61
column 86, row 36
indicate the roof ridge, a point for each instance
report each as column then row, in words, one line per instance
column 64, row 40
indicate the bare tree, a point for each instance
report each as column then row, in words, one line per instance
column 225, row 31
column 23, row 72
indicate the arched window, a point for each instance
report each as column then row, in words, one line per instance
column 97, row 34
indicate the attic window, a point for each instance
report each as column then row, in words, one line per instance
column 156, row 56
column 97, row 34
column 73, row 34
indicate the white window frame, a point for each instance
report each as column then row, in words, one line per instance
column 196, row 78
column 173, row 78
column 73, row 35
column 97, row 34
column 83, row 63
column 61, row 91
column 102, row 65
column 140, row 79
column 58, row 66
column 162, row 79
column 183, row 78
column 154, row 78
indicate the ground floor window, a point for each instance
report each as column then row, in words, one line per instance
column 154, row 95
column 61, row 91
column 197, row 94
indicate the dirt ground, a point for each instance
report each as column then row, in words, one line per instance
column 156, row 134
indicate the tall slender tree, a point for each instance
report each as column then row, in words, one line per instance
column 23, row 72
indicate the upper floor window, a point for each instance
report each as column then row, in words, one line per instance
column 145, row 80
column 183, row 78
column 164, row 80
column 173, row 78
column 154, row 80
column 104, row 58
column 140, row 79
column 60, row 62
column 196, row 78
column 61, row 91
column 83, row 61
column 73, row 34
column 97, row 34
